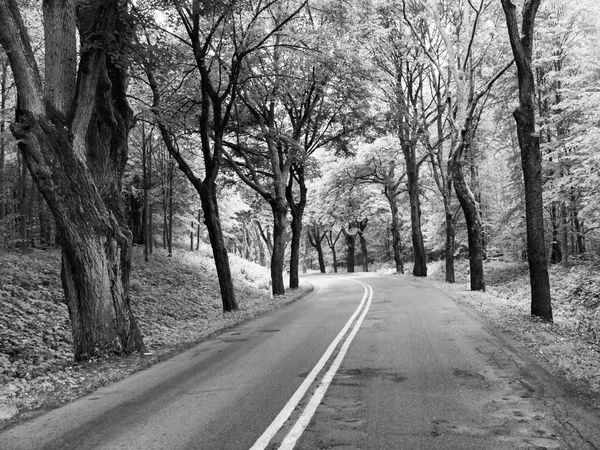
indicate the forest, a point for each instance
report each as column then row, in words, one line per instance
column 311, row 135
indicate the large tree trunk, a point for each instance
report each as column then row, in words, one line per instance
column 75, row 146
column 321, row 258
column 531, row 157
column 212, row 221
column 297, row 211
column 472, row 214
column 363, row 250
column 350, row 250
column 362, row 225
column 412, row 172
column 278, row 256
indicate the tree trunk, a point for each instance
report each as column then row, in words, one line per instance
column 531, row 158
column 146, row 144
column 296, row 227
column 363, row 249
column 395, row 228
column 334, row 259
column 3, row 99
column 412, row 172
column 277, row 258
column 315, row 238
column 556, row 254
column 297, row 211
column 331, row 241
column 564, row 234
column 170, row 170
column 578, row 231
column 212, row 221
column 198, row 231
column 449, row 247
column 150, row 211
column 208, row 196
column 22, row 201
column 362, row 225
column 350, row 250
column 75, row 146
column 472, row 214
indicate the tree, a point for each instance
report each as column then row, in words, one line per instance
column 378, row 163
column 302, row 96
column 72, row 129
column 221, row 37
column 404, row 70
column 466, row 113
column 531, row 159
column 315, row 238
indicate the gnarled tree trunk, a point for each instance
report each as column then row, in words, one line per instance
column 73, row 132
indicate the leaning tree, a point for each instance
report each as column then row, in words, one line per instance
column 72, row 125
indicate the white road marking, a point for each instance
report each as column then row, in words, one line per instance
column 287, row 410
column 292, row 437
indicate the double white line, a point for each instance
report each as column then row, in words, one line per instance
column 294, row 434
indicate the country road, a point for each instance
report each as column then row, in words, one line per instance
column 363, row 362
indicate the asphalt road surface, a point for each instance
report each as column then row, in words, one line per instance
column 364, row 362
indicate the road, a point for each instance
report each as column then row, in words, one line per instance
column 363, row 362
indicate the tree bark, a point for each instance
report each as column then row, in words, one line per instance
column 450, row 245
column 277, row 258
column 297, row 212
column 395, row 228
column 3, row 100
column 315, row 238
column 412, row 172
column 331, row 242
column 531, row 158
column 350, row 250
column 556, row 254
column 470, row 208
column 22, row 201
column 75, row 145
column 362, row 225
column 212, row 221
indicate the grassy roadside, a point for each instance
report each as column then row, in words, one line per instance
column 176, row 301
column 570, row 346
